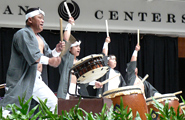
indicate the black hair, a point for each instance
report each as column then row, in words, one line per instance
column 77, row 39
column 30, row 10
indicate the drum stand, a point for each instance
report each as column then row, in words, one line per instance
column 76, row 94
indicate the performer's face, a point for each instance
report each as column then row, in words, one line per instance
column 112, row 62
column 75, row 50
column 37, row 23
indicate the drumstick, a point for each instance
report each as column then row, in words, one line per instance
column 61, row 30
column 179, row 92
column 2, row 85
column 106, row 81
column 68, row 12
column 107, row 30
column 68, row 44
column 146, row 76
column 138, row 36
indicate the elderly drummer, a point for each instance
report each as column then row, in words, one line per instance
column 132, row 77
column 29, row 53
column 116, row 81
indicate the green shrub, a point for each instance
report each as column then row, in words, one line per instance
column 76, row 113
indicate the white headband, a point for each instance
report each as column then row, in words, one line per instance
column 76, row 43
column 111, row 57
column 34, row 13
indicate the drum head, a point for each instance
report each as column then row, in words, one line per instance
column 93, row 75
column 86, row 58
column 127, row 90
column 182, row 105
column 161, row 98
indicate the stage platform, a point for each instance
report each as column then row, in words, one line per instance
column 94, row 105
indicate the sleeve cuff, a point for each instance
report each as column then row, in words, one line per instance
column 44, row 60
column 135, row 53
column 55, row 53
column 68, row 27
column 157, row 94
column 92, row 83
column 105, row 45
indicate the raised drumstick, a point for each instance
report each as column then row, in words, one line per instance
column 61, row 30
column 68, row 12
column 138, row 36
column 107, row 29
column 106, row 81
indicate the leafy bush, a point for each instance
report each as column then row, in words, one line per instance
column 165, row 113
column 76, row 113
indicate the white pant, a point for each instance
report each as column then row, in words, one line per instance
column 72, row 89
column 42, row 91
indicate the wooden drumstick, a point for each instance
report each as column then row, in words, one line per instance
column 146, row 76
column 176, row 93
column 107, row 29
column 2, row 86
column 68, row 44
column 68, row 12
column 138, row 36
column 106, row 81
column 61, row 30
column 61, row 33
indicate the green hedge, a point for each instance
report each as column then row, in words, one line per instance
column 76, row 113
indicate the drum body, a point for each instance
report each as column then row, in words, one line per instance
column 89, row 68
column 172, row 99
column 132, row 97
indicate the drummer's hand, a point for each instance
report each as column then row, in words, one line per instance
column 54, row 61
column 107, row 40
column 71, row 20
column 98, row 84
column 137, row 47
column 157, row 94
column 140, row 84
column 60, row 46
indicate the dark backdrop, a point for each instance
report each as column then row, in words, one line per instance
column 158, row 56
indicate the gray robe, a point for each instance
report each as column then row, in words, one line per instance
column 130, row 79
column 130, row 75
column 64, row 67
column 22, row 67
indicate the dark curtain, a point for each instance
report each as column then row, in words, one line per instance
column 182, row 75
column 159, row 59
column 158, row 56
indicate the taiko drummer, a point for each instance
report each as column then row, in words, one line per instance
column 113, row 77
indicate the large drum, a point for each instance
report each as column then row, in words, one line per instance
column 89, row 68
column 172, row 99
column 132, row 97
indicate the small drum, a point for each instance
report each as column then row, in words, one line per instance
column 132, row 97
column 172, row 99
column 89, row 68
